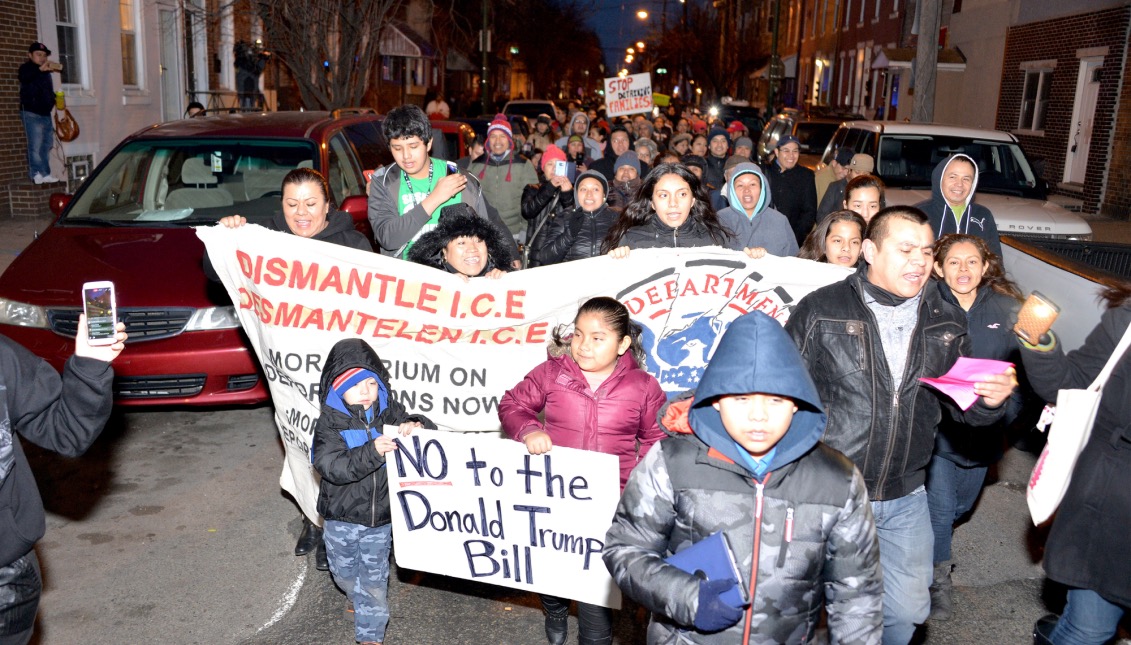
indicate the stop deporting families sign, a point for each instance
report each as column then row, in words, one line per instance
column 628, row 94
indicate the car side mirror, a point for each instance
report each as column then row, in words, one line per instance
column 57, row 202
column 357, row 206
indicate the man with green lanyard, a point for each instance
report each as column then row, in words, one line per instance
column 951, row 207
column 405, row 198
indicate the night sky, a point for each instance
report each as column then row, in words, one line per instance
column 618, row 27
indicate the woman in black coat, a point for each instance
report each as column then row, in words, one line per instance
column 969, row 276
column 671, row 210
column 306, row 212
column 578, row 233
column 464, row 244
column 1087, row 549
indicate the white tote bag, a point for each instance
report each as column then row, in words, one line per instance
column 1072, row 420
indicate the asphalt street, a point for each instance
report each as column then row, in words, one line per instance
column 173, row 529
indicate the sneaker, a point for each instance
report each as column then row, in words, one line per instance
column 37, row 178
column 50, row 179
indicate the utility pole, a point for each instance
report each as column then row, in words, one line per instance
column 485, row 45
column 776, row 70
column 926, row 61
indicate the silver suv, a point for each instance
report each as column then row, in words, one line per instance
column 906, row 154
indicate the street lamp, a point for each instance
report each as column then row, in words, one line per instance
column 642, row 14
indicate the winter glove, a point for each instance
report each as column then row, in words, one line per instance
column 714, row 614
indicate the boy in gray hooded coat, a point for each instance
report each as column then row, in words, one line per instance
column 749, row 463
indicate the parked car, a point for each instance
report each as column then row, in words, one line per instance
column 906, row 154
column 751, row 117
column 529, row 108
column 813, row 133
column 454, row 140
column 132, row 223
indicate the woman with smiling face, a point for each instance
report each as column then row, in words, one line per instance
column 307, row 212
column 464, row 244
column 971, row 277
column 671, row 210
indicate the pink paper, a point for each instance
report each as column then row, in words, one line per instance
column 959, row 382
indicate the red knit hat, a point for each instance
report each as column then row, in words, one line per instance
column 552, row 153
column 500, row 123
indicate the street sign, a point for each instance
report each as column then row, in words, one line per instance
column 628, row 94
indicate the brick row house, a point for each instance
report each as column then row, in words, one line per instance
column 130, row 63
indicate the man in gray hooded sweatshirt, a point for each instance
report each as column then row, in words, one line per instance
column 579, row 125
column 750, row 217
column 951, row 208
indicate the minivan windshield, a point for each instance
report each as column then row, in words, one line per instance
column 189, row 181
column 907, row 161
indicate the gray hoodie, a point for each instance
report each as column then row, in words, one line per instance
column 976, row 219
column 766, row 227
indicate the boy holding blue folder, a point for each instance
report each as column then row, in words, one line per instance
column 745, row 459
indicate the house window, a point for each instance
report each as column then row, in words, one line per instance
column 1035, row 99
column 128, row 17
column 67, row 31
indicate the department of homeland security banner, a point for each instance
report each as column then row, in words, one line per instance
column 453, row 347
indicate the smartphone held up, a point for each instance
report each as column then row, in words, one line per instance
column 99, row 303
column 1035, row 318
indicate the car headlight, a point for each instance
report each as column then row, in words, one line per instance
column 212, row 318
column 22, row 314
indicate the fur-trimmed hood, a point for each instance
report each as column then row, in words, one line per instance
column 461, row 221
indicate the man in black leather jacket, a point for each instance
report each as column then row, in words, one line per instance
column 867, row 340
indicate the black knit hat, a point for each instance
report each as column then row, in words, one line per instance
column 461, row 220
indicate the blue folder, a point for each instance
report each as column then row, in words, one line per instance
column 713, row 559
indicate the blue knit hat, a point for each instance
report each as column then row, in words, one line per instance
column 718, row 132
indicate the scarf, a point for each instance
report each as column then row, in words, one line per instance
column 882, row 296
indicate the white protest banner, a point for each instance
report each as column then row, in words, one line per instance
column 628, row 94
column 482, row 508
column 453, row 347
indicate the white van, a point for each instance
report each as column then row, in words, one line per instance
column 906, row 154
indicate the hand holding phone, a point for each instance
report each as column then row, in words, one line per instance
column 1035, row 318
column 99, row 303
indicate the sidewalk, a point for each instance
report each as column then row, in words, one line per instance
column 16, row 233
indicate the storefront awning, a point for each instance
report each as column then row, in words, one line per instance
column 950, row 59
column 399, row 40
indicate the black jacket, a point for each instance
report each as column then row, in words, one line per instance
column 889, row 435
column 714, row 177
column 990, row 321
column 976, row 219
column 541, row 203
column 654, row 234
column 63, row 414
column 575, row 235
column 795, row 196
column 37, row 93
column 354, row 485
column 339, row 230
column 1087, row 546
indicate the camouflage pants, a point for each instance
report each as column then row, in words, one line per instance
column 359, row 561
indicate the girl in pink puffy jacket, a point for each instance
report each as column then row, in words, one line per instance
column 594, row 396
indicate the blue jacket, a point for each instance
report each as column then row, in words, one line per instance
column 766, row 227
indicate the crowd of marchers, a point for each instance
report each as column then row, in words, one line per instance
column 836, row 476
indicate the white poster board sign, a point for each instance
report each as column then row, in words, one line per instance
column 453, row 347
column 628, row 94
column 482, row 508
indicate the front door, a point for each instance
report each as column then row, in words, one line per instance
column 171, row 97
column 1084, row 113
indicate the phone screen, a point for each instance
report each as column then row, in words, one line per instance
column 99, row 305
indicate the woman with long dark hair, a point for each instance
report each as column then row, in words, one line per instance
column 671, row 210
column 970, row 276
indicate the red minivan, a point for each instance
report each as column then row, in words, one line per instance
column 132, row 223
